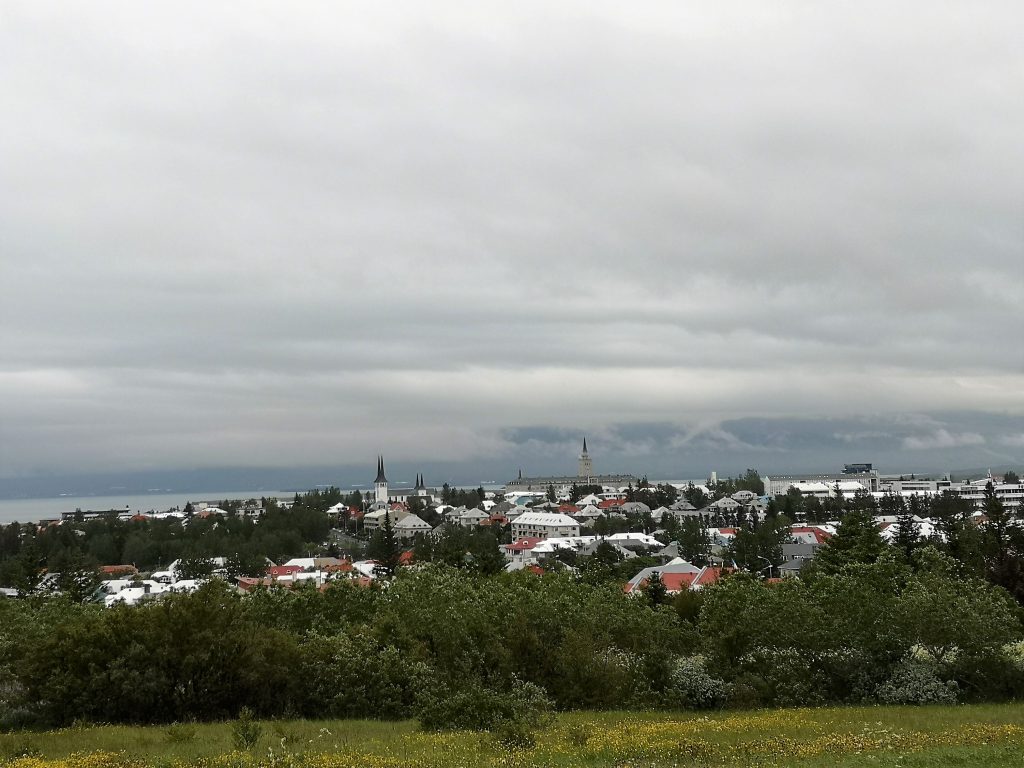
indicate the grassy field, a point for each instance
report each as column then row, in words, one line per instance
column 989, row 735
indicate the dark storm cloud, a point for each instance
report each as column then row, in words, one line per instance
column 269, row 235
column 909, row 442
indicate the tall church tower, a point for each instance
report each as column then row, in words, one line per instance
column 380, row 485
column 586, row 468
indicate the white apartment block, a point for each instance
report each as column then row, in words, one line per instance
column 1011, row 494
column 544, row 525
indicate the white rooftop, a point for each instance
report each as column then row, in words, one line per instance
column 546, row 519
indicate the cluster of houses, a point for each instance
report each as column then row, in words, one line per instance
column 544, row 519
column 540, row 534
column 538, row 531
column 128, row 588
column 539, row 537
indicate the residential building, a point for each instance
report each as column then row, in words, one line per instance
column 544, row 525
column 410, row 525
column 677, row 576
column 471, row 518
column 1010, row 494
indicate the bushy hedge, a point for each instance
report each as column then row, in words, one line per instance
column 461, row 650
column 692, row 687
column 471, row 705
column 915, row 681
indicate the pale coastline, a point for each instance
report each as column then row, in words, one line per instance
column 33, row 510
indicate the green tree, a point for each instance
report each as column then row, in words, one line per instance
column 759, row 549
column 908, row 534
column 423, row 548
column 959, row 536
column 1003, row 544
column 694, row 541
column 858, row 540
column 695, row 496
column 452, row 546
column 948, row 615
column 247, row 562
column 194, row 566
column 655, row 590
column 751, row 481
column 487, row 557
column 77, row 575
column 385, row 548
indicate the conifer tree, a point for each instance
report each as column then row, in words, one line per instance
column 655, row 590
column 385, row 548
column 858, row 540
column 908, row 534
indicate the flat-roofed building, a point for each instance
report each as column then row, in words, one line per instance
column 544, row 525
column 779, row 485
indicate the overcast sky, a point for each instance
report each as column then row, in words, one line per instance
column 251, row 234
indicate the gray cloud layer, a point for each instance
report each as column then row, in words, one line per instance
column 262, row 234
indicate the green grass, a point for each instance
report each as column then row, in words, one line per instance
column 982, row 735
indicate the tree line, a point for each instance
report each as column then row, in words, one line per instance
column 449, row 645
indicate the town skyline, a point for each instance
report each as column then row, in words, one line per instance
column 924, row 446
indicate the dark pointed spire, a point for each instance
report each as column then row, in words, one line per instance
column 584, row 444
column 380, row 471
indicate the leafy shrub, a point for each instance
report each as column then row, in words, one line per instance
column 748, row 691
column 14, row 709
column 592, row 677
column 515, row 734
column 1014, row 655
column 246, row 730
column 477, row 707
column 354, row 676
column 791, row 678
column 692, row 687
column 917, row 682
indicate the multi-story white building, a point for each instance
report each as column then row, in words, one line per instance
column 779, row 485
column 544, row 525
column 919, row 485
column 1011, row 494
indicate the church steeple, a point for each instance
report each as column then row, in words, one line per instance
column 380, row 485
column 586, row 469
